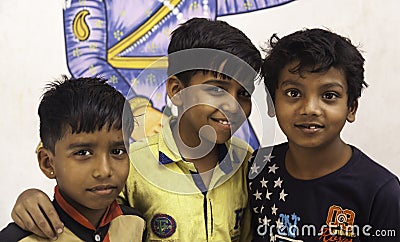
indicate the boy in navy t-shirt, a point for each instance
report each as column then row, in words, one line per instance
column 316, row 187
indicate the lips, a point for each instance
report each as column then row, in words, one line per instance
column 223, row 123
column 309, row 127
column 102, row 189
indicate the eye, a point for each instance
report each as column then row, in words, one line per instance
column 82, row 153
column 293, row 93
column 118, row 151
column 330, row 95
column 244, row 93
column 214, row 90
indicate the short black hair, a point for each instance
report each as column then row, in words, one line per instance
column 315, row 51
column 83, row 105
column 211, row 34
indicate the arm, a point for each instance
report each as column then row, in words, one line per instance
column 33, row 211
column 246, row 234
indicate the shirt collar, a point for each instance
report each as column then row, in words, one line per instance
column 169, row 152
column 113, row 211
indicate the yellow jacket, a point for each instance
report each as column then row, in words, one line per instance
column 162, row 187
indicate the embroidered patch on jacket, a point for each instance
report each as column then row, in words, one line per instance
column 163, row 225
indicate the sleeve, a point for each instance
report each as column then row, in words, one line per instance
column 385, row 214
column 246, row 234
column 13, row 233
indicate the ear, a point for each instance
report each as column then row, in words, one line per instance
column 174, row 86
column 46, row 162
column 351, row 115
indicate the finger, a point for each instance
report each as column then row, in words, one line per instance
column 31, row 212
column 25, row 221
column 52, row 217
column 40, row 225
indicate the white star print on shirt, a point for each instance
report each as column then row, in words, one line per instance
column 278, row 183
column 267, row 196
column 274, row 209
column 257, row 195
column 255, row 209
column 265, row 221
column 268, row 158
column 254, row 168
column 282, row 195
column 263, row 183
column 272, row 168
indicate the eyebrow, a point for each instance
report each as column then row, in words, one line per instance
column 324, row 86
column 216, row 82
column 80, row 145
column 290, row 82
column 91, row 145
column 224, row 82
column 332, row 84
column 118, row 143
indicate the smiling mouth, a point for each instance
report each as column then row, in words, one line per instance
column 222, row 121
column 309, row 126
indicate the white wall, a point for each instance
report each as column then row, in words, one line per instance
column 32, row 54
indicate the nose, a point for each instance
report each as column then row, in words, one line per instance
column 230, row 104
column 102, row 167
column 311, row 106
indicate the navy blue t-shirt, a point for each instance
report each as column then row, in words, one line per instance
column 358, row 202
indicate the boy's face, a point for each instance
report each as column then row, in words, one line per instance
column 90, row 168
column 209, row 101
column 312, row 109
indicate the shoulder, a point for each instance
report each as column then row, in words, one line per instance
column 145, row 149
column 13, row 233
column 270, row 152
column 131, row 224
column 144, row 143
column 264, row 157
column 239, row 145
column 127, row 210
column 365, row 166
column 132, row 216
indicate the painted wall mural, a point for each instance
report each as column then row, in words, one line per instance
column 118, row 39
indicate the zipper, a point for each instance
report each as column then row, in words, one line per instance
column 212, row 218
column 205, row 212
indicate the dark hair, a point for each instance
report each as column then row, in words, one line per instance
column 84, row 105
column 316, row 51
column 211, row 34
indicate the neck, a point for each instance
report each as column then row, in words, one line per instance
column 94, row 216
column 203, row 154
column 311, row 163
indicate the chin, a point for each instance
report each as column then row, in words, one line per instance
column 308, row 145
column 222, row 140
